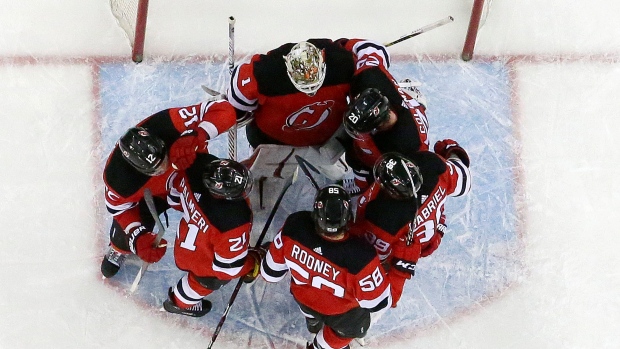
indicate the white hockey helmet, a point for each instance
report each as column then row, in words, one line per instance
column 305, row 66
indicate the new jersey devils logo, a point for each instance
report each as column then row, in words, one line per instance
column 309, row 116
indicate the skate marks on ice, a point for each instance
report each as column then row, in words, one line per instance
column 478, row 258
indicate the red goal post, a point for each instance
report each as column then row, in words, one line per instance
column 479, row 12
column 131, row 16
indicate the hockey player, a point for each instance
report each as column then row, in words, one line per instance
column 336, row 278
column 211, row 244
column 297, row 93
column 143, row 158
column 381, row 119
column 402, row 213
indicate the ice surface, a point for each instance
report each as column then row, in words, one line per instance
column 530, row 259
column 479, row 256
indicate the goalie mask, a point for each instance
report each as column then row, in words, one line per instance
column 399, row 176
column 145, row 152
column 332, row 211
column 367, row 113
column 227, row 179
column 305, row 67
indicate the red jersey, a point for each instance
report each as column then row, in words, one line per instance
column 213, row 234
column 124, row 185
column 289, row 116
column 383, row 220
column 410, row 132
column 330, row 277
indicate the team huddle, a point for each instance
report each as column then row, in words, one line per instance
column 350, row 255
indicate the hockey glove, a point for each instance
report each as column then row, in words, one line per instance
column 404, row 258
column 145, row 249
column 183, row 150
column 255, row 256
column 449, row 147
column 434, row 242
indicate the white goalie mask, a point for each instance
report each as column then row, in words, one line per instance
column 305, row 67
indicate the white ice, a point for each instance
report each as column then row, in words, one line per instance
column 566, row 64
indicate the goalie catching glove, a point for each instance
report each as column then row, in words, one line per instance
column 448, row 148
column 144, row 246
column 183, row 150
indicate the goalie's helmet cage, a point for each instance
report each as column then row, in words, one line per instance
column 227, row 179
column 399, row 176
column 146, row 152
column 332, row 210
column 305, row 66
column 368, row 111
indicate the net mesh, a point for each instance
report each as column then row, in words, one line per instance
column 126, row 12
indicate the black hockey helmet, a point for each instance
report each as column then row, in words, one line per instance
column 146, row 152
column 368, row 111
column 332, row 210
column 399, row 176
column 227, row 179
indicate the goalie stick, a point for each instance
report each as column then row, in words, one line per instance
column 148, row 198
column 232, row 132
column 422, row 30
column 289, row 181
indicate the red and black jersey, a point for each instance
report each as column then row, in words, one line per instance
column 124, row 185
column 408, row 135
column 330, row 277
column 289, row 116
column 213, row 234
column 383, row 220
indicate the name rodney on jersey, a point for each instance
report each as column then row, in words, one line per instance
column 312, row 263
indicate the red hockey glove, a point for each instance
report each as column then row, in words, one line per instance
column 397, row 283
column 404, row 258
column 183, row 150
column 146, row 251
column 255, row 258
column 449, row 147
column 434, row 242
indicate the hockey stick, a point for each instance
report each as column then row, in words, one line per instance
column 233, row 296
column 306, row 166
column 232, row 132
column 424, row 29
column 148, row 198
column 212, row 92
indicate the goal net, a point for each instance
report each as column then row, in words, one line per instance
column 131, row 16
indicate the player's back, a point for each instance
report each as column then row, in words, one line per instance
column 326, row 274
column 209, row 225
